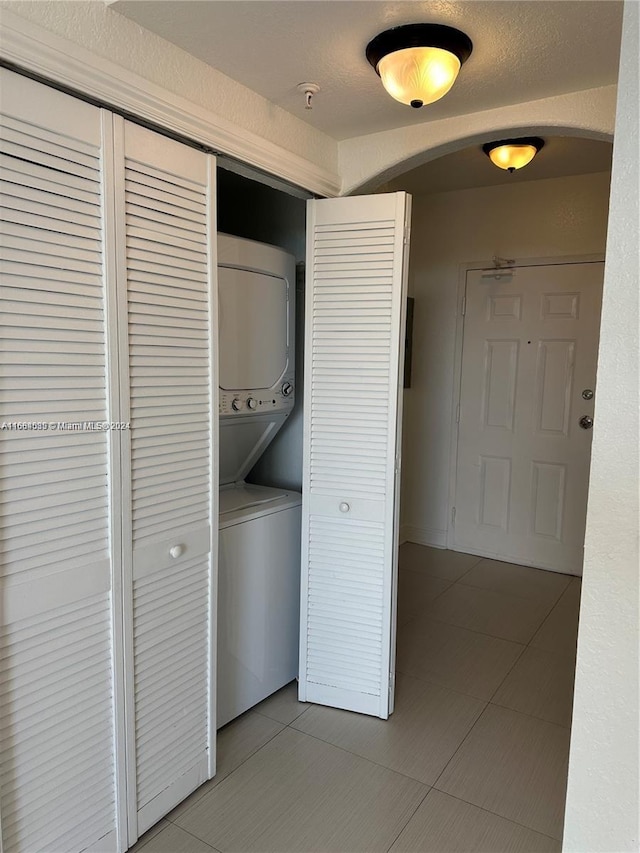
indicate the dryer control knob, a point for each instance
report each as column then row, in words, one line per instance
column 287, row 389
column 251, row 404
column 236, row 404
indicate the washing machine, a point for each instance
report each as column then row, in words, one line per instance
column 259, row 542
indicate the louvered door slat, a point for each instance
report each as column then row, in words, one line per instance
column 357, row 268
column 57, row 758
column 166, row 304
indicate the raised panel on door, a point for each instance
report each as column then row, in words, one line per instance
column 167, row 313
column 59, row 777
column 355, row 311
column 529, row 351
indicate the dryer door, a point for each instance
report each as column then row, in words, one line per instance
column 355, row 316
column 253, row 328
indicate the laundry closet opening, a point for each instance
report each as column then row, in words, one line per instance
column 260, row 252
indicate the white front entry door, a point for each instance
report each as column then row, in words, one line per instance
column 528, row 378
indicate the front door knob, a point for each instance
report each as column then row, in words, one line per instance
column 586, row 422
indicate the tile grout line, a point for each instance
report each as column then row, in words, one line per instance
column 549, row 614
column 197, row 837
column 525, row 714
column 507, row 595
column 156, row 826
column 434, row 683
column 460, row 745
column 224, row 779
column 363, row 758
column 273, row 720
column 481, row 633
column 435, row 784
column 514, row 594
column 411, row 817
column 495, row 814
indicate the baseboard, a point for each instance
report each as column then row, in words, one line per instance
column 423, row 536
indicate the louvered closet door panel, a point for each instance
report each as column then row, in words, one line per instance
column 56, row 677
column 356, row 287
column 166, row 293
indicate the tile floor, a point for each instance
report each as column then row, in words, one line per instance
column 473, row 759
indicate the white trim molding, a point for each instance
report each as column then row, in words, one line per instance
column 35, row 49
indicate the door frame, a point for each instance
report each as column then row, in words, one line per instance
column 463, row 269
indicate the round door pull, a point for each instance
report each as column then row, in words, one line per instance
column 586, row 422
column 587, row 394
column 176, row 551
column 344, row 506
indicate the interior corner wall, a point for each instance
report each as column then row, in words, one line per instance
column 535, row 219
column 603, row 796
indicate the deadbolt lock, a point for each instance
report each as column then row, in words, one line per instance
column 587, row 394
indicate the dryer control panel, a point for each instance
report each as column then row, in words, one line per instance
column 279, row 399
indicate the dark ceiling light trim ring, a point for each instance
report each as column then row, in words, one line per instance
column 535, row 141
column 419, row 35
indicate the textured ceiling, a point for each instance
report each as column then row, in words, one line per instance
column 470, row 167
column 523, row 50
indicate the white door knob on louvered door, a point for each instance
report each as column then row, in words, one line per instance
column 176, row 551
column 343, row 506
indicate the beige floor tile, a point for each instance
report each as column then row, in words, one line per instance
column 300, row 794
column 453, row 657
column 428, row 725
column 448, row 565
column 540, row 684
column 489, row 612
column 172, row 839
column 415, row 591
column 443, row 824
column 515, row 766
column 236, row 742
column 559, row 631
column 521, row 581
column 283, row 706
column 148, row 835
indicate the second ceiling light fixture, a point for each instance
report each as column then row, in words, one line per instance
column 419, row 63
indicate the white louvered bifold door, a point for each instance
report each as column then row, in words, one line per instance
column 57, row 723
column 354, row 345
column 167, row 311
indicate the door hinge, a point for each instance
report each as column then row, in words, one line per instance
column 464, row 306
column 453, row 516
column 407, row 234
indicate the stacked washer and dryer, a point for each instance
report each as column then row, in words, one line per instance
column 259, row 556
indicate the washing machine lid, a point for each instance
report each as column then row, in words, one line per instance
column 243, row 441
column 243, row 502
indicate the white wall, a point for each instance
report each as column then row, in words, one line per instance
column 106, row 34
column 554, row 217
column 603, row 800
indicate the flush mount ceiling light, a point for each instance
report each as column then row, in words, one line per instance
column 512, row 154
column 419, row 63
